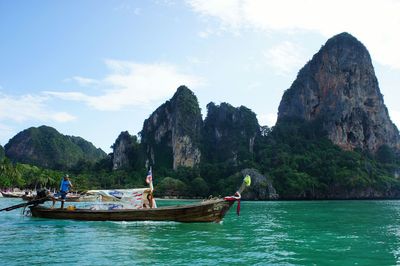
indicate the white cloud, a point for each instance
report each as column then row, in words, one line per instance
column 62, row 117
column 285, row 58
column 229, row 11
column 5, row 133
column 85, row 81
column 375, row 23
column 196, row 60
column 71, row 96
column 27, row 107
column 253, row 86
column 131, row 84
column 267, row 119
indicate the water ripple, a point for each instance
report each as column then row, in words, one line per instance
column 266, row 233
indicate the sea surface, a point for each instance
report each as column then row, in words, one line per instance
column 265, row 233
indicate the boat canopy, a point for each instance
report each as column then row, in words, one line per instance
column 137, row 198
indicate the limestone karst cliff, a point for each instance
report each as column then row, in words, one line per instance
column 171, row 135
column 174, row 135
column 229, row 133
column 339, row 87
column 127, row 152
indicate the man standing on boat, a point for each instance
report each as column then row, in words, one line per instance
column 65, row 186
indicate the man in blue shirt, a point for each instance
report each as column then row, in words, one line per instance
column 65, row 186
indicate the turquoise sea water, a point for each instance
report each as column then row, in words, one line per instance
column 265, row 233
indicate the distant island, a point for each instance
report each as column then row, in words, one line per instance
column 333, row 140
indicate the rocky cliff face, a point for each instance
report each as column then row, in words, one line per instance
column 123, row 150
column 339, row 87
column 229, row 133
column 261, row 186
column 171, row 135
column 44, row 146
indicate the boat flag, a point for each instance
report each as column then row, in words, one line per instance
column 149, row 177
column 247, row 180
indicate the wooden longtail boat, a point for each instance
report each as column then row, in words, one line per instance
column 136, row 205
column 12, row 194
column 212, row 210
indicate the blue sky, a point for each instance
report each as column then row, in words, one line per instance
column 96, row 68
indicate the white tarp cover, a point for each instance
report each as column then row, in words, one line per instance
column 122, row 198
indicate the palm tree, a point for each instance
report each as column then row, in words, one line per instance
column 10, row 176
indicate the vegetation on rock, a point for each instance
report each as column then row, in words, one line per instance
column 229, row 133
column 46, row 147
column 127, row 152
column 304, row 163
column 2, row 154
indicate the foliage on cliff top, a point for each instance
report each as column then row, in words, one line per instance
column 305, row 164
column 188, row 112
column 132, row 150
column 228, row 132
column 184, row 111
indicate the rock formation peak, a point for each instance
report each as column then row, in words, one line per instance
column 339, row 87
column 171, row 135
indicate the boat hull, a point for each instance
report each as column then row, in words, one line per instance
column 11, row 194
column 207, row 211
